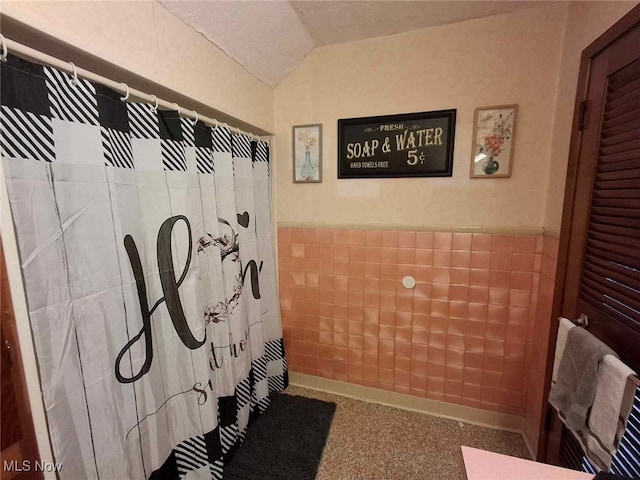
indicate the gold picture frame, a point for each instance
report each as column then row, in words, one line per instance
column 494, row 130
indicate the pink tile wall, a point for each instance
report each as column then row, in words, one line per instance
column 539, row 335
column 459, row 336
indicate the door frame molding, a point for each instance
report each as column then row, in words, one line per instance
column 623, row 26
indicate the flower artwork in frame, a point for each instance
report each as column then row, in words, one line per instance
column 493, row 140
column 307, row 153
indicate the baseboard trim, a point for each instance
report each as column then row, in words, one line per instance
column 475, row 416
column 530, row 439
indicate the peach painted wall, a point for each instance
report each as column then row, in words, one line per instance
column 459, row 336
column 145, row 38
column 586, row 21
column 511, row 58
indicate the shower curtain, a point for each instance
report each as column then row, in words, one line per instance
column 147, row 256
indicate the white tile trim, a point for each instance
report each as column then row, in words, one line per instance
column 422, row 228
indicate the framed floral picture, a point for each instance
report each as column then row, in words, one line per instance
column 493, row 139
column 307, row 153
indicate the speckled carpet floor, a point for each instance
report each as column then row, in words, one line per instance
column 374, row 442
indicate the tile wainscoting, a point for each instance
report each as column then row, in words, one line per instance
column 465, row 334
column 539, row 340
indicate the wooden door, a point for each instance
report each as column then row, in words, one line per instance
column 599, row 258
column 18, row 445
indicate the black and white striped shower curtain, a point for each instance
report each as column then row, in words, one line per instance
column 147, row 255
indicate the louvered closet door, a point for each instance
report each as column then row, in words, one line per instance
column 601, row 224
column 610, row 286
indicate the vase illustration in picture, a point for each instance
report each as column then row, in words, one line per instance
column 307, row 172
column 491, row 166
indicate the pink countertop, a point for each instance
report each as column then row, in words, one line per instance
column 483, row 465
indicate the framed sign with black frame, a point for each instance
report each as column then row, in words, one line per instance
column 404, row 145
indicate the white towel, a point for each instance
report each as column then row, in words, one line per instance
column 614, row 398
column 563, row 330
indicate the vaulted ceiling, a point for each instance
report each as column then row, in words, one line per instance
column 270, row 38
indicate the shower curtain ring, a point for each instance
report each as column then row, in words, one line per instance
column 126, row 97
column 177, row 108
column 154, row 109
column 74, row 80
column 4, row 49
column 196, row 119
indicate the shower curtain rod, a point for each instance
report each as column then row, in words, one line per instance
column 31, row 54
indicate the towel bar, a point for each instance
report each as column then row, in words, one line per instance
column 582, row 321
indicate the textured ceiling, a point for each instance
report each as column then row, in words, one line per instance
column 270, row 38
column 331, row 22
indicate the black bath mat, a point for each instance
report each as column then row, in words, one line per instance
column 284, row 443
